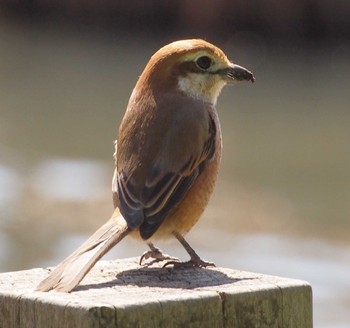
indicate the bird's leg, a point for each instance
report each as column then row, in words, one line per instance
column 195, row 260
column 156, row 254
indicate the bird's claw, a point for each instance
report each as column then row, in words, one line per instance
column 193, row 262
column 157, row 256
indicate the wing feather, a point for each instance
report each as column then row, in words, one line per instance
column 165, row 184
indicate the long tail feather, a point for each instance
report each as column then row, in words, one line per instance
column 68, row 274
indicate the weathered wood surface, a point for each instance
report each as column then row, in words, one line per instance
column 123, row 294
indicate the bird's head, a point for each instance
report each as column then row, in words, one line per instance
column 194, row 67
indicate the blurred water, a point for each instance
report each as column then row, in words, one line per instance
column 70, row 180
column 281, row 205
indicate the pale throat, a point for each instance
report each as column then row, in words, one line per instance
column 202, row 87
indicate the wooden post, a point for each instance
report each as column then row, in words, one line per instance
column 123, row 294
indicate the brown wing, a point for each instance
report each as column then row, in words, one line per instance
column 145, row 202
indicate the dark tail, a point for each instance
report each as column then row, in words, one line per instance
column 68, row 274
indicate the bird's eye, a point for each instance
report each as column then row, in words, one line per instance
column 203, row 62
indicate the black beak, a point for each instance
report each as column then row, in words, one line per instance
column 238, row 73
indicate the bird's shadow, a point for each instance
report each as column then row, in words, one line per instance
column 184, row 278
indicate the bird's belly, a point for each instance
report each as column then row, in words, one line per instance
column 188, row 212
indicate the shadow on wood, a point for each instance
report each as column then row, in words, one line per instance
column 188, row 278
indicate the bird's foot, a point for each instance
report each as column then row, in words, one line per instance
column 195, row 261
column 157, row 255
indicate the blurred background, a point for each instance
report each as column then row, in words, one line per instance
column 282, row 202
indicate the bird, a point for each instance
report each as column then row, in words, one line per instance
column 167, row 157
